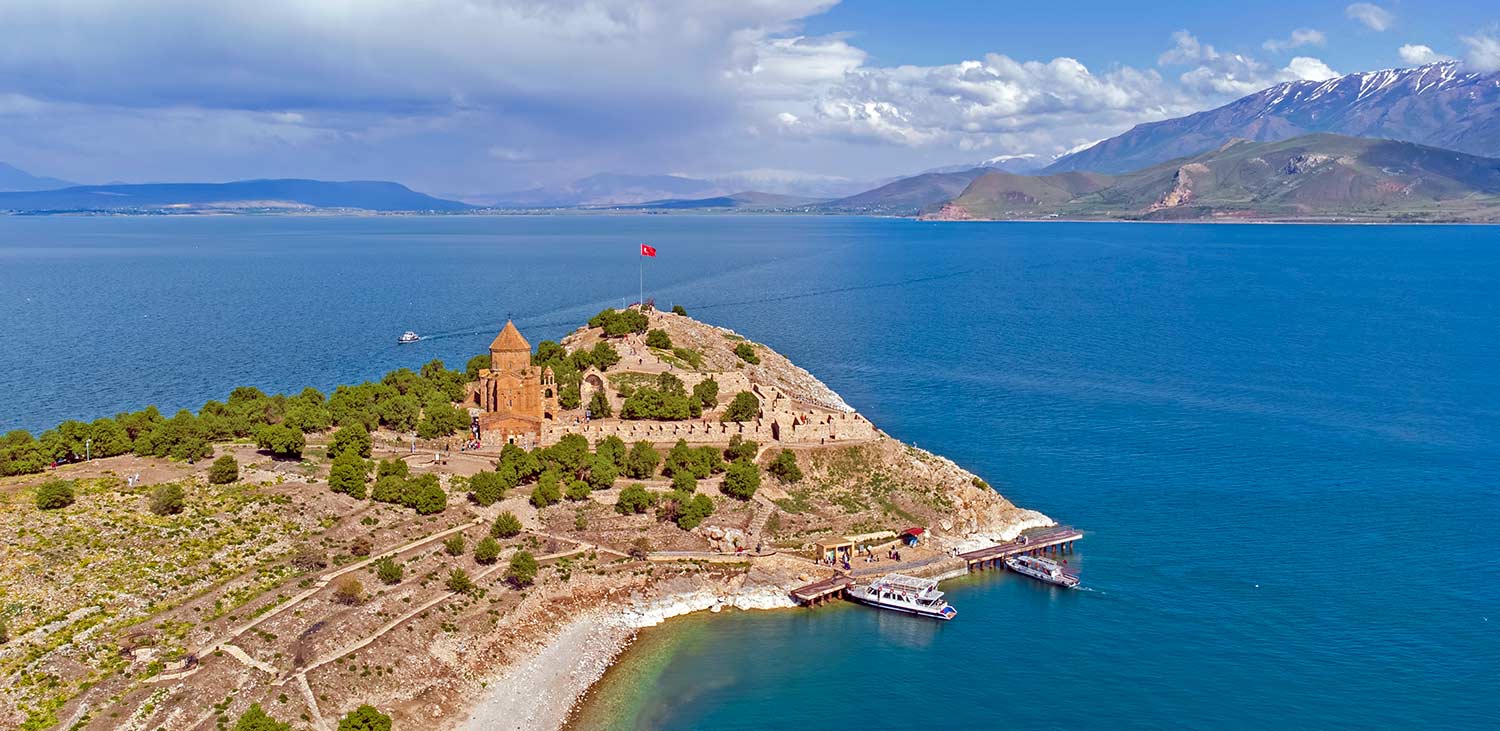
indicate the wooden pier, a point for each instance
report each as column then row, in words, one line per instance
column 822, row 591
column 1051, row 540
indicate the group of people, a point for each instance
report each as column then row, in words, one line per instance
column 469, row 445
column 133, row 480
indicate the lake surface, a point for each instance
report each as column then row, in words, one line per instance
column 1282, row 441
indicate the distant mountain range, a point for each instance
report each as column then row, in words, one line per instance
column 244, row 195
column 1437, row 104
column 13, row 179
column 1319, row 177
column 747, row 200
column 904, row 197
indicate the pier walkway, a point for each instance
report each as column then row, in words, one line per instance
column 830, row 588
column 1051, row 540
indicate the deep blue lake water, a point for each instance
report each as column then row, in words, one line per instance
column 1283, row 441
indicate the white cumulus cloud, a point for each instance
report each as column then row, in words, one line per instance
column 1372, row 16
column 1299, row 37
column 1483, row 54
column 1417, row 54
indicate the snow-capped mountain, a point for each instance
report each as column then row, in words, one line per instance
column 1439, row 104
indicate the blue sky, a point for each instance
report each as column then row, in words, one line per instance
column 476, row 97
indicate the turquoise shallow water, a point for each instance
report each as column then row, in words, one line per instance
column 1283, row 441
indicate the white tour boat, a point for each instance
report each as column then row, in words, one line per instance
column 905, row 594
column 1042, row 569
column 408, row 337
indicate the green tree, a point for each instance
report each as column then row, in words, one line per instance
column 487, row 551
column 475, row 365
column 454, row 544
column 388, row 571
column 280, row 440
column 352, row 438
column 692, row 510
column 706, row 393
column 308, row 416
column 634, row 499
column 601, row 472
column 168, row 499
column 54, row 495
column 487, row 487
column 570, row 396
column 741, row 480
column 365, row 718
column 570, row 454
column 440, row 418
column 642, row 461
column 224, row 470
column 659, row 339
column 744, row 407
column 348, row 474
column 549, row 351
column 741, row 448
column 393, row 468
column 426, row 496
column 613, row 449
column 684, row 482
column 785, row 468
column 678, row 310
column 522, row 569
column 599, row 407
column 604, row 356
column 746, row 352
column 507, row 525
column 255, row 718
column 578, row 490
column 459, row 582
column 399, row 413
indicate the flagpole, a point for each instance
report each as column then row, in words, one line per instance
column 641, row 295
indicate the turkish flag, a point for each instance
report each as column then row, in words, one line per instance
column 648, row 250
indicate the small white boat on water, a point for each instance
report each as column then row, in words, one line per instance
column 408, row 337
column 1042, row 569
column 903, row 593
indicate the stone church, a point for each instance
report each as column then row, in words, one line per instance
column 513, row 396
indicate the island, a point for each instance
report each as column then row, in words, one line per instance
column 447, row 548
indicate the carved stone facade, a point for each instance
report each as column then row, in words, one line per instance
column 514, row 397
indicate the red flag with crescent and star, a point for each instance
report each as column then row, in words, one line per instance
column 647, row 250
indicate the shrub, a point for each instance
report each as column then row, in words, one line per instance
column 256, row 719
column 659, row 339
column 440, row 418
column 578, row 490
column 677, row 310
column 426, row 496
column 706, row 393
column 476, row 364
column 360, row 546
column 354, row 437
column 349, row 591
column 348, row 474
column 487, row 488
column 599, row 407
column 168, row 499
column 741, row 480
column 785, row 468
column 601, row 472
column 54, row 495
column 743, row 408
column 642, row 461
column 640, row 548
column 507, row 525
column 224, row 470
column 746, row 352
column 522, row 569
column 454, row 544
column 280, row 440
column 388, row 571
column 634, row 499
column 487, row 551
column 365, row 718
column 684, row 482
column 307, row 558
column 459, row 582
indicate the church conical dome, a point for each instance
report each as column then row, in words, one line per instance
column 509, row 340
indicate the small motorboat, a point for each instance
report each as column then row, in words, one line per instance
column 903, row 593
column 408, row 337
column 1042, row 569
